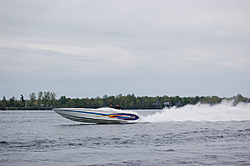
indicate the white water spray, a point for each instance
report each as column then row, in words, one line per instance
column 224, row 111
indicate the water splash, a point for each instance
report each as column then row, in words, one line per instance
column 225, row 111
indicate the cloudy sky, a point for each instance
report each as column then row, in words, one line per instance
column 89, row 48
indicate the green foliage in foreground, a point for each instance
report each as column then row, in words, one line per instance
column 47, row 100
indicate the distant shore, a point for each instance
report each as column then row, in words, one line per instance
column 48, row 101
column 21, row 109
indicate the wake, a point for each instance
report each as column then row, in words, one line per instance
column 225, row 111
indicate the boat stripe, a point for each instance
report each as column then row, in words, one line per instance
column 85, row 112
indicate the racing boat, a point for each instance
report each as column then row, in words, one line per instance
column 100, row 115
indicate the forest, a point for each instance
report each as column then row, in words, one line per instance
column 47, row 101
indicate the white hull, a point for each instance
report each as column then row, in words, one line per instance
column 100, row 115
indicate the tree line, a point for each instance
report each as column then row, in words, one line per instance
column 47, row 100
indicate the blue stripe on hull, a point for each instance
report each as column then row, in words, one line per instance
column 85, row 112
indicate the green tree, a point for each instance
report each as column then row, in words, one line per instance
column 77, row 102
column 3, row 104
column 87, row 102
column 131, row 104
column 215, row 100
column 197, row 99
column 137, row 103
column 32, row 100
column 62, row 101
column 12, row 101
column 105, row 97
column 53, row 99
column 108, row 102
column 2, row 107
column 46, row 98
column 146, row 102
column 119, row 99
column 70, row 103
column 124, row 102
column 22, row 101
column 99, row 102
column 40, row 97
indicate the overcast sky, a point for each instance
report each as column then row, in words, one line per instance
column 89, row 48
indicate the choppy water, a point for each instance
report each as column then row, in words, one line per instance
column 191, row 135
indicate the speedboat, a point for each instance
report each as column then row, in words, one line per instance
column 100, row 115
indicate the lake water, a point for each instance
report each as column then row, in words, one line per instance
column 191, row 135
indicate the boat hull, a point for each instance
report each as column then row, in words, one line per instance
column 101, row 115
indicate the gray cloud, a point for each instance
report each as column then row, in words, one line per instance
column 90, row 48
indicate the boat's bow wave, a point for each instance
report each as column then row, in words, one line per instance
column 100, row 115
